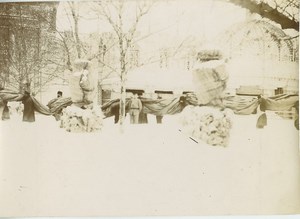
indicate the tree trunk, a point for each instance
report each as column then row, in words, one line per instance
column 123, row 92
column 100, row 95
column 75, row 18
column 78, row 47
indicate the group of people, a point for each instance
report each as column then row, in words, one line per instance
column 28, row 108
column 28, row 111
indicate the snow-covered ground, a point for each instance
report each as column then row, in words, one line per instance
column 151, row 169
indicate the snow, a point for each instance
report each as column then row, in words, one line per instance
column 151, row 169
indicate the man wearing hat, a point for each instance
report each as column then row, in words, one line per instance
column 59, row 94
column 57, row 114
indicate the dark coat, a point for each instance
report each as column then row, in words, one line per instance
column 28, row 113
column 262, row 121
column 5, row 113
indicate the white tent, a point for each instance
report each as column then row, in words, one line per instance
column 150, row 79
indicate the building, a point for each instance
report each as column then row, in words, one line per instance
column 27, row 40
column 261, row 55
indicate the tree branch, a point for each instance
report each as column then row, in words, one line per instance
column 267, row 11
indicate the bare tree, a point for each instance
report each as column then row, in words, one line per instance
column 114, row 13
column 69, row 40
column 74, row 8
column 32, row 55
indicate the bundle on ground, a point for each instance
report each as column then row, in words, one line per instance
column 207, row 124
column 210, row 77
column 75, row 119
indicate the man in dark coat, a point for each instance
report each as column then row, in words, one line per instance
column 296, row 122
column 5, row 113
column 57, row 115
column 143, row 117
column 159, row 118
column 28, row 113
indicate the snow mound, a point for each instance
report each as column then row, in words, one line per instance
column 207, row 124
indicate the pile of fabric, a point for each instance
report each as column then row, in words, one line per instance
column 57, row 104
column 82, row 83
column 210, row 77
column 207, row 124
column 79, row 114
column 280, row 102
column 242, row 105
column 209, row 54
column 10, row 95
column 75, row 119
column 157, row 107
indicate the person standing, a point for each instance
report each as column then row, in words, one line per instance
column 57, row 115
column 135, row 107
column 115, row 109
column 59, row 94
column 143, row 117
column 296, row 122
column 159, row 118
column 5, row 113
column 3, row 105
column 28, row 112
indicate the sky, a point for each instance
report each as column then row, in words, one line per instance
column 171, row 20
